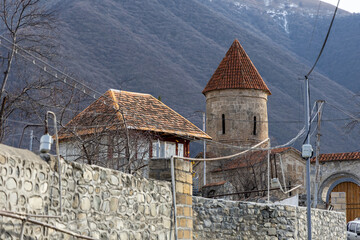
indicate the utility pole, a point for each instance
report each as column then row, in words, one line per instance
column 204, row 129
column 319, row 104
column 307, row 153
column 31, row 139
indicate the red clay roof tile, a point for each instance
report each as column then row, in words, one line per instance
column 235, row 71
column 141, row 112
column 329, row 157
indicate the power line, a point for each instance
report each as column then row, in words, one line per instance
column 84, row 88
column 326, row 38
column 353, row 117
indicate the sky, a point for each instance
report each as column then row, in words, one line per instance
column 348, row 5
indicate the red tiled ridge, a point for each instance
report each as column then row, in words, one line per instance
column 141, row 112
column 235, row 71
column 329, row 157
column 250, row 159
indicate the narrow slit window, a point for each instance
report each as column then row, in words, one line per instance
column 223, row 123
column 254, row 129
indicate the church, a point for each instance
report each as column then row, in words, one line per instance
column 237, row 118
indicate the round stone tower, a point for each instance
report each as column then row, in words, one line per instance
column 236, row 103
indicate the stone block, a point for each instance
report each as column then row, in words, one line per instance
column 180, row 198
column 187, row 188
column 342, row 194
column 180, row 176
column 187, row 212
column 340, row 200
column 180, row 210
column 179, row 187
column 188, row 199
column 35, row 203
column 335, row 194
column 2, row 159
column 181, row 222
column 189, row 178
column 180, row 234
column 187, row 234
column 272, row 231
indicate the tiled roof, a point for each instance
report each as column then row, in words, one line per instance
column 141, row 112
column 249, row 159
column 329, row 157
column 236, row 70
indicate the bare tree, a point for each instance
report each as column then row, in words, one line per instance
column 249, row 174
column 29, row 24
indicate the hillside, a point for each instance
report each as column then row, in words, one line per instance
column 170, row 48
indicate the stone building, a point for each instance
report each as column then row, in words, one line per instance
column 236, row 102
column 247, row 175
column 123, row 130
column 236, row 105
column 236, row 115
column 339, row 182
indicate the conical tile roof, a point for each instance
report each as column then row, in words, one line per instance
column 236, row 71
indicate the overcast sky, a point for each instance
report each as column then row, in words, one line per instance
column 348, row 5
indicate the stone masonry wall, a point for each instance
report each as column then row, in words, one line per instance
column 223, row 219
column 330, row 172
column 338, row 201
column 97, row 202
column 239, row 107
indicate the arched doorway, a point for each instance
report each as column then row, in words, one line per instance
column 352, row 191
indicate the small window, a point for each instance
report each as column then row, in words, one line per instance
column 254, row 129
column 352, row 227
column 223, row 123
column 170, row 149
column 162, row 149
column 180, row 150
column 357, row 228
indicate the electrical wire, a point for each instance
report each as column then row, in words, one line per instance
column 345, row 112
column 84, row 89
column 326, row 38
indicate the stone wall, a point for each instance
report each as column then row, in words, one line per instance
column 332, row 171
column 97, row 202
column 222, row 219
column 338, row 201
column 108, row 204
column 239, row 107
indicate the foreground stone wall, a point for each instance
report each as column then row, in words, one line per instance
column 97, row 202
column 222, row 219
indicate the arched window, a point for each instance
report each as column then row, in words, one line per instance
column 223, row 123
column 254, row 129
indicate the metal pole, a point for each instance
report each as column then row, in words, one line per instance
column 174, row 195
column 31, row 139
column 57, row 154
column 317, row 169
column 22, row 229
column 307, row 127
column 268, row 175
column 204, row 129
